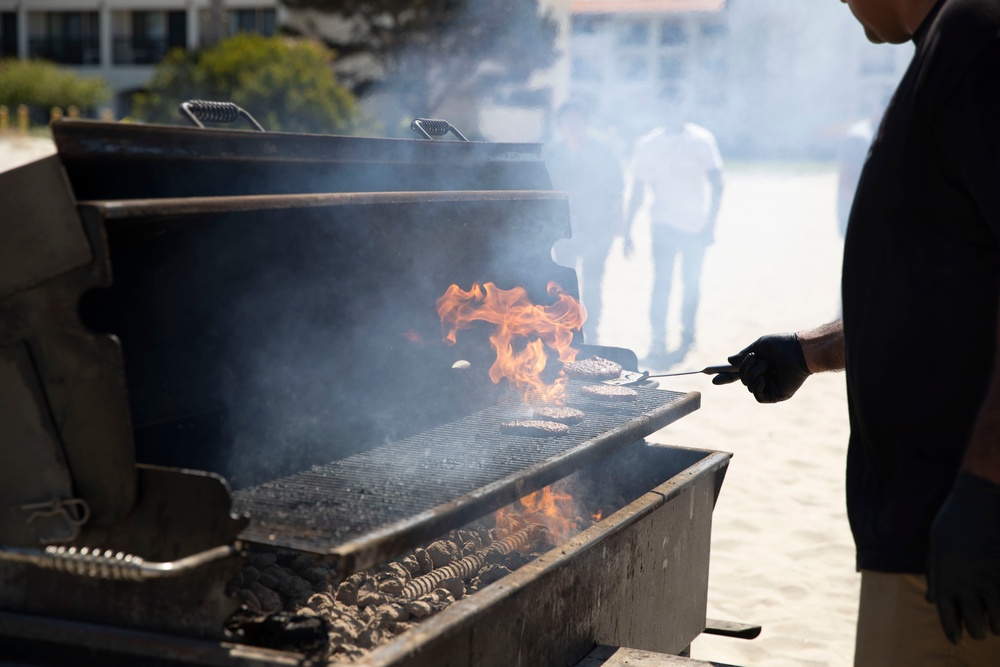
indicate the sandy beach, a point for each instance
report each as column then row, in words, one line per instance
column 782, row 554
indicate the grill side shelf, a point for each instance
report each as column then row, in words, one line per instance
column 372, row 506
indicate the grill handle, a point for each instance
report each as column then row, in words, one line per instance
column 434, row 127
column 197, row 111
column 108, row 564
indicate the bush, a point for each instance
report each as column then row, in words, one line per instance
column 43, row 85
column 287, row 85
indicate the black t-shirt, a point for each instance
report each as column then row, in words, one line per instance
column 921, row 284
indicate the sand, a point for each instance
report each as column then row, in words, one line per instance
column 782, row 554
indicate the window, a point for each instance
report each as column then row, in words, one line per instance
column 714, row 29
column 633, row 33
column 672, row 33
column 588, row 24
column 261, row 21
column 585, row 69
column 672, row 68
column 68, row 38
column 633, row 68
column 8, row 35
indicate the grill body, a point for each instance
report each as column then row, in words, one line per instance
column 213, row 338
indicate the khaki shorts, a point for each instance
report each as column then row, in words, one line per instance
column 897, row 627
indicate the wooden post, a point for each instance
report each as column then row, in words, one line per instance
column 4, row 119
column 22, row 119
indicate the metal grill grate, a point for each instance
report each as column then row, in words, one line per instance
column 374, row 505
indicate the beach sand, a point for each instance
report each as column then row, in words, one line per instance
column 782, row 553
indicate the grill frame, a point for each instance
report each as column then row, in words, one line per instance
column 530, row 464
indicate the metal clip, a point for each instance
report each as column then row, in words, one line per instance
column 79, row 515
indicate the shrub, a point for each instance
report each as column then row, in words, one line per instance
column 285, row 84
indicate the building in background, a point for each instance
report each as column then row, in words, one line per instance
column 770, row 78
column 121, row 40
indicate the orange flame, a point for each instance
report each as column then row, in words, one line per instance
column 551, row 507
column 597, row 515
column 413, row 337
column 516, row 319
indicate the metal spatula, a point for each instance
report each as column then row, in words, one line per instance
column 633, row 377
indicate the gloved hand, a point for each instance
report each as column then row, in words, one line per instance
column 772, row 367
column 964, row 566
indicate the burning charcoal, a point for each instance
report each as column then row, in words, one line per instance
column 390, row 585
column 272, row 575
column 269, row 600
column 344, row 630
column 443, row 552
column 250, row 575
column 260, row 560
column 316, row 576
column 492, row 573
column 442, row 596
column 485, row 536
column 418, row 608
column 352, row 653
column 454, row 586
column 249, row 600
column 411, row 564
column 368, row 595
column 402, row 627
column 373, row 637
column 320, row 601
column 295, row 588
column 358, row 578
column 368, row 615
column 347, row 593
column 399, row 571
column 426, row 564
column 387, row 616
column 302, row 563
column 470, row 547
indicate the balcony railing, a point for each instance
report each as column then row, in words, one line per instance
column 140, row 50
column 85, row 51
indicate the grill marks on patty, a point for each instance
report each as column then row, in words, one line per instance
column 611, row 393
column 559, row 414
column 595, row 368
column 537, row 428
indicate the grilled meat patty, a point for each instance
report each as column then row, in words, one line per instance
column 535, row 428
column 594, row 368
column 559, row 414
column 607, row 392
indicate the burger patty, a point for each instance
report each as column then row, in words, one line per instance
column 559, row 414
column 607, row 392
column 536, row 428
column 594, row 368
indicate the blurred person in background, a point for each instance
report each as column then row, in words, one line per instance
column 678, row 165
column 590, row 172
column 919, row 341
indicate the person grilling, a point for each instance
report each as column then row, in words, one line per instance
column 918, row 339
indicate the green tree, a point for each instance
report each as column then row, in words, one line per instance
column 42, row 85
column 287, row 85
column 429, row 53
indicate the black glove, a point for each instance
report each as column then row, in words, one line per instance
column 772, row 367
column 963, row 573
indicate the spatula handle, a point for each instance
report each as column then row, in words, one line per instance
column 728, row 368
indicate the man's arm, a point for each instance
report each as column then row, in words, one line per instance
column 773, row 367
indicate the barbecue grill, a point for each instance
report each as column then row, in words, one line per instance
column 214, row 341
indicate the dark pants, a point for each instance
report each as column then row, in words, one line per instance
column 669, row 245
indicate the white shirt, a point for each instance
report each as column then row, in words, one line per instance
column 675, row 165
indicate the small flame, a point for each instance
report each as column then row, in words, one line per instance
column 518, row 323
column 551, row 507
column 597, row 515
column 413, row 337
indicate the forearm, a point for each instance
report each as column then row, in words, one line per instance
column 982, row 457
column 823, row 347
column 715, row 180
